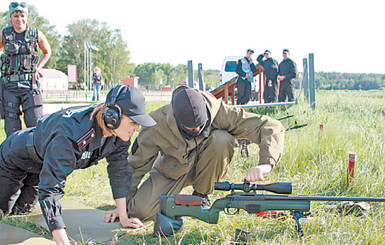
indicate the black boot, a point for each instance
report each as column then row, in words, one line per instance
column 166, row 226
column 206, row 203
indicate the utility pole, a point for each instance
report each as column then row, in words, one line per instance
column 200, row 77
column 311, row 81
column 305, row 79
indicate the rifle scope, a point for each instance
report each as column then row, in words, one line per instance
column 277, row 187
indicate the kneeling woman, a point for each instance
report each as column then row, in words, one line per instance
column 70, row 139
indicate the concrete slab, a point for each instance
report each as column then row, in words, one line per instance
column 14, row 235
column 84, row 224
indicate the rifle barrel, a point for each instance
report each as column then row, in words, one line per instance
column 279, row 119
column 326, row 198
column 295, row 127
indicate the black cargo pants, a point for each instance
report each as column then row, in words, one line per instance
column 270, row 94
column 31, row 103
column 244, row 91
column 286, row 90
column 19, row 189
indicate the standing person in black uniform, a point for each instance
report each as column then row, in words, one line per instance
column 70, row 139
column 19, row 70
column 245, row 70
column 270, row 67
column 287, row 71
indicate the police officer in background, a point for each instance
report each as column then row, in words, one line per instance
column 245, row 70
column 19, row 70
column 70, row 139
column 287, row 71
column 270, row 67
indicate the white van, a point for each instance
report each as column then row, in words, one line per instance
column 228, row 72
column 228, row 68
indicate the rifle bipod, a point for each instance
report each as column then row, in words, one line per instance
column 297, row 215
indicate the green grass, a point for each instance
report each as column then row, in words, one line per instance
column 314, row 161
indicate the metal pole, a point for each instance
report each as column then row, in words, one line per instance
column 311, row 81
column 87, row 68
column 90, row 66
column 305, row 79
column 105, row 84
column 86, row 78
column 261, row 87
column 84, row 63
column 190, row 74
column 200, row 77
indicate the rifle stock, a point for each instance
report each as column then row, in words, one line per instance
column 173, row 207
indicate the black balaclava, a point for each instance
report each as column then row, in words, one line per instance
column 189, row 109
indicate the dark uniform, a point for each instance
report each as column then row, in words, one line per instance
column 270, row 67
column 244, row 66
column 48, row 153
column 19, row 83
column 287, row 68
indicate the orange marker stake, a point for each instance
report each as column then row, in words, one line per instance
column 352, row 161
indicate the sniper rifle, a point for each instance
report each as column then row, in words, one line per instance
column 172, row 208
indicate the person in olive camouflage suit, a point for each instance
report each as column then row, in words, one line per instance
column 192, row 144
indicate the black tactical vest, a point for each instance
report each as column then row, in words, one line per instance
column 20, row 57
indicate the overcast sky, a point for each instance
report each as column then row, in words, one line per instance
column 345, row 36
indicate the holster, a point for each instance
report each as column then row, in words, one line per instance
column 36, row 92
column 2, row 109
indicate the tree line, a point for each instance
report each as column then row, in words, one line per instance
column 113, row 58
column 349, row 81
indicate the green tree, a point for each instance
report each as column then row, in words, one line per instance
column 166, row 68
column 112, row 57
column 178, row 74
column 349, row 81
column 159, row 78
column 73, row 46
column 144, row 72
column 211, row 78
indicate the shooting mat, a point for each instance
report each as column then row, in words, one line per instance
column 84, row 224
column 14, row 235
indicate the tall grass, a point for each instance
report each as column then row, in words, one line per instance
column 314, row 161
